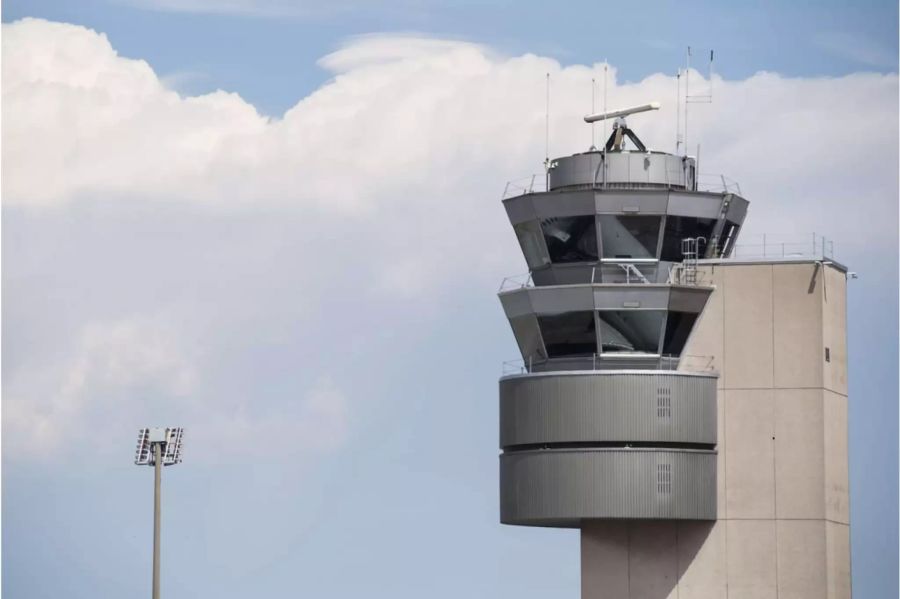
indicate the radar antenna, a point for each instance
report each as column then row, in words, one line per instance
column 620, row 128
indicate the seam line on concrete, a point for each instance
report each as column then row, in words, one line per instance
column 781, row 389
column 789, row 520
column 774, row 428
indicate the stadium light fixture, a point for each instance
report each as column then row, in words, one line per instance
column 158, row 447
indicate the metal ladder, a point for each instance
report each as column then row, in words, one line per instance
column 690, row 251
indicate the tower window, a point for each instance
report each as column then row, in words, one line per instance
column 569, row 335
column 635, row 331
column 570, row 238
column 629, row 237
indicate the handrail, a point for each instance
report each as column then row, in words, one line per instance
column 767, row 245
column 537, row 183
column 600, row 362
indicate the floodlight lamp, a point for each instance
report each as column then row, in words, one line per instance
column 169, row 440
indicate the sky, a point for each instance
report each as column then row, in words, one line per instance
column 279, row 225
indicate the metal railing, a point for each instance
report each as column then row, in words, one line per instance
column 685, row 362
column 537, row 183
column 787, row 246
column 516, row 282
column 717, row 184
column 519, row 187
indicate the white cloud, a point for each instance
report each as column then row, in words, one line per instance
column 408, row 127
column 383, row 185
column 125, row 374
column 112, row 371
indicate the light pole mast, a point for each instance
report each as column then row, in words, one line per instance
column 158, row 447
column 157, row 479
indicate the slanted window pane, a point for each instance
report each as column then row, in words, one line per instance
column 682, row 227
column 625, row 237
column 678, row 327
column 569, row 334
column 529, row 234
column 570, row 238
column 631, row 330
column 726, row 240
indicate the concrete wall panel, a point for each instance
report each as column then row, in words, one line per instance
column 604, row 555
column 802, row 572
column 750, row 453
column 702, row 566
column 837, row 475
column 834, row 307
column 653, row 563
column 837, row 543
column 799, row 454
column 751, row 559
column 797, row 311
column 748, row 327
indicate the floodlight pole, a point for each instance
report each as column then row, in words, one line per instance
column 157, row 479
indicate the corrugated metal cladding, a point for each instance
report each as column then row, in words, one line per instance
column 561, row 487
column 562, row 407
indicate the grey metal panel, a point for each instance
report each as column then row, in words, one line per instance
column 645, row 202
column 617, row 168
column 703, row 205
column 520, row 209
column 689, row 299
column 563, row 203
column 622, row 168
column 737, row 209
column 619, row 297
column 567, row 298
column 607, row 406
column 562, row 487
column 528, row 336
column 516, row 303
column 639, row 168
column 579, row 169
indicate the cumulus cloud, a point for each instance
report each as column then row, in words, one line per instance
column 113, row 365
column 126, row 374
column 406, row 121
column 370, row 201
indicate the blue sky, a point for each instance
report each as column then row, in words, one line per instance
column 182, row 258
column 267, row 51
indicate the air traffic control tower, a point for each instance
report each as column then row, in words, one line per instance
column 681, row 399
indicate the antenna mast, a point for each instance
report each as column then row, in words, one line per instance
column 687, row 95
column 695, row 99
column 605, row 69
column 677, row 111
column 547, row 138
column 593, row 93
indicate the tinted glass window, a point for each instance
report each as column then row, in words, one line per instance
column 570, row 238
column 678, row 327
column 569, row 334
column 529, row 235
column 626, row 237
column 681, row 227
column 631, row 330
column 726, row 241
